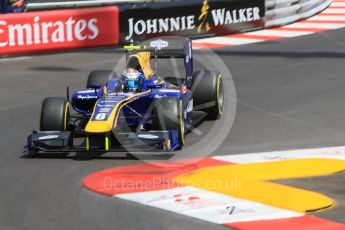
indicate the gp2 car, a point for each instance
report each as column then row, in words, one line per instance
column 110, row 116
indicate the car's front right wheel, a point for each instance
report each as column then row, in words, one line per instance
column 54, row 114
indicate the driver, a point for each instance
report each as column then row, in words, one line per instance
column 132, row 80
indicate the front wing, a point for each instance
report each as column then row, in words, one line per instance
column 147, row 141
column 62, row 142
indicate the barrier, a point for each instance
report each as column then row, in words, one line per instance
column 76, row 4
column 282, row 12
column 59, row 29
column 100, row 26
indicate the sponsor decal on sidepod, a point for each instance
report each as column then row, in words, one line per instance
column 87, row 97
column 147, row 136
column 48, row 137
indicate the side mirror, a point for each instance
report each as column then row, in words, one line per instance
column 94, row 86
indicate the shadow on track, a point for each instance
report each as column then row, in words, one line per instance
column 87, row 156
column 281, row 54
column 54, row 68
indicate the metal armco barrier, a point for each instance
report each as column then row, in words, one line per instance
column 63, row 4
column 282, row 12
column 58, row 30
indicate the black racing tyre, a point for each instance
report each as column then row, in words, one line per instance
column 208, row 93
column 168, row 115
column 54, row 114
column 99, row 77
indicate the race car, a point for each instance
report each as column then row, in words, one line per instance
column 137, row 110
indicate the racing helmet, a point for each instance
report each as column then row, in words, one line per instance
column 132, row 78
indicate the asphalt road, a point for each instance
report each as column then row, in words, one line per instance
column 290, row 95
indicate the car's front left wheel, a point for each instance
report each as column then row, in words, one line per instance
column 168, row 115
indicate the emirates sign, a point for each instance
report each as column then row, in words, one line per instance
column 60, row 29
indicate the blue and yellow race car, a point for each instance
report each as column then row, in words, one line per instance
column 137, row 110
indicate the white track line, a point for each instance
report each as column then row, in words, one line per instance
column 306, row 25
column 341, row 19
column 338, row 4
column 228, row 41
column 14, row 59
column 279, row 33
column 327, row 153
column 333, row 11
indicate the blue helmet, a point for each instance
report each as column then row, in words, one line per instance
column 132, row 78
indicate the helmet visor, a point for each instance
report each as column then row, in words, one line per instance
column 132, row 84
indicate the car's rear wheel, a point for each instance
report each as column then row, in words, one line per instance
column 208, row 93
column 54, row 114
column 168, row 115
column 98, row 77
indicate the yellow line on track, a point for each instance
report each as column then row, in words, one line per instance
column 247, row 181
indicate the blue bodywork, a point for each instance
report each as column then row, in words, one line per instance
column 102, row 101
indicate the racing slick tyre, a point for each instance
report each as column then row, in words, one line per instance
column 168, row 115
column 208, row 93
column 54, row 114
column 99, row 77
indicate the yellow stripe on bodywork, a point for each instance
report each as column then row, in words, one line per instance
column 133, row 47
column 247, row 182
column 172, row 86
column 106, row 126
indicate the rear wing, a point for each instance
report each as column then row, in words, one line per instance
column 170, row 47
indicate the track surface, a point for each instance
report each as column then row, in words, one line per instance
column 290, row 95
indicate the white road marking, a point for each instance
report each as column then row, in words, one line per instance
column 341, row 18
column 14, row 59
column 327, row 153
column 334, row 11
column 209, row 206
column 279, row 33
column 306, row 25
column 228, row 41
column 338, row 4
